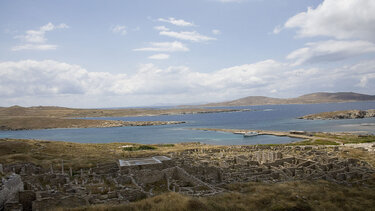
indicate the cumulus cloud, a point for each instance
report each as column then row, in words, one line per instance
column 216, row 31
column 119, row 29
column 48, row 79
column 161, row 28
column 177, row 22
column 42, row 47
column 35, row 39
column 187, row 35
column 164, row 47
column 344, row 19
column 159, row 56
column 330, row 50
column 230, row 1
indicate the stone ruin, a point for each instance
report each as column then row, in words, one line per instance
column 198, row 172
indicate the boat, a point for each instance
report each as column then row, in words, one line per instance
column 249, row 134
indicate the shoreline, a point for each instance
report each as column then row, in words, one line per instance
column 20, row 118
column 16, row 124
column 336, row 115
column 309, row 138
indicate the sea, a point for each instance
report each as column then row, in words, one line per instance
column 264, row 117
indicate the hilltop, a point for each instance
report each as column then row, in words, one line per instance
column 319, row 97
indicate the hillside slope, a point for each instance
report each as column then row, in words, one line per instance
column 319, row 97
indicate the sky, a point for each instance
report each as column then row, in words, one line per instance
column 124, row 53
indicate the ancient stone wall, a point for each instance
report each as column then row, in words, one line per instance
column 10, row 188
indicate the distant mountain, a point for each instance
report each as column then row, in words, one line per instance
column 319, row 97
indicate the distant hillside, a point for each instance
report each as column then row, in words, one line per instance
column 319, row 97
column 61, row 112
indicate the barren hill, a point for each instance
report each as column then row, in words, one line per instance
column 319, row 97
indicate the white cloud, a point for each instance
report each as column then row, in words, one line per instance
column 216, row 31
column 344, row 19
column 187, row 35
column 159, row 56
column 48, row 77
column 35, row 39
column 330, row 50
column 42, row 47
column 161, row 28
column 277, row 29
column 119, row 29
column 164, row 47
column 38, row 36
column 177, row 22
column 230, row 1
column 52, row 82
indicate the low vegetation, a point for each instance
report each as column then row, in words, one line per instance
column 313, row 142
column 348, row 138
column 140, row 147
column 298, row 195
column 75, row 155
column 293, row 195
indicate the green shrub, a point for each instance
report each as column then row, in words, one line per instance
column 140, row 147
column 146, row 147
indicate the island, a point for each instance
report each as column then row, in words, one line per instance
column 348, row 114
column 48, row 117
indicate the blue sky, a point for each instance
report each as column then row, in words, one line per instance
column 136, row 53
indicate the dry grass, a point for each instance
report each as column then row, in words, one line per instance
column 313, row 142
column 75, row 155
column 299, row 195
column 318, row 195
column 29, row 123
column 359, row 154
column 347, row 138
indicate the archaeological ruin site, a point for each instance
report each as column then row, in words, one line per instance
column 199, row 171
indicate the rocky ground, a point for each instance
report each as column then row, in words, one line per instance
column 193, row 169
column 349, row 114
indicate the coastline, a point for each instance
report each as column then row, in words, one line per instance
column 20, row 118
column 61, row 112
column 347, row 114
column 37, row 123
column 308, row 138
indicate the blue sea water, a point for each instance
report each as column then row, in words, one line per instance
column 266, row 117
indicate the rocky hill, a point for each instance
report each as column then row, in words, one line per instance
column 349, row 114
column 319, row 97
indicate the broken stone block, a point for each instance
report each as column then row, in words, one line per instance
column 26, row 198
column 12, row 206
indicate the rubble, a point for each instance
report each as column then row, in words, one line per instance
column 198, row 171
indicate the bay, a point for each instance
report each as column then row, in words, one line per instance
column 265, row 117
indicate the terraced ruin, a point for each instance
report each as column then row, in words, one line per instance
column 198, row 170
